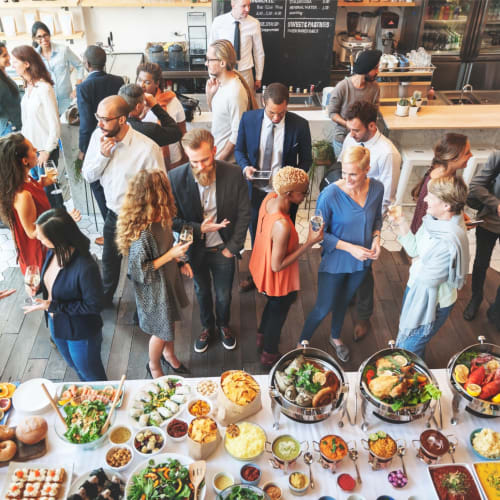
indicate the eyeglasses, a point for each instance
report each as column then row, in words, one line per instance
column 42, row 37
column 207, row 59
column 106, row 119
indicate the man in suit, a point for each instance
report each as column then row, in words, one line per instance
column 89, row 94
column 211, row 196
column 269, row 139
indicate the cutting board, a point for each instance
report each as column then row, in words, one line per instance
column 26, row 452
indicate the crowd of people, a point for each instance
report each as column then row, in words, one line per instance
column 179, row 203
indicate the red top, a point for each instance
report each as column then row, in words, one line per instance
column 266, row 280
column 30, row 252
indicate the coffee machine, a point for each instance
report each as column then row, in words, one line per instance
column 389, row 23
column 357, row 38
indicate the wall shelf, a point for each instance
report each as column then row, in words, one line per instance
column 57, row 36
column 143, row 3
column 343, row 3
column 33, row 4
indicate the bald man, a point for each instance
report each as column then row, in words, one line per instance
column 115, row 154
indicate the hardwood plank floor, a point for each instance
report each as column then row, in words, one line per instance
column 25, row 350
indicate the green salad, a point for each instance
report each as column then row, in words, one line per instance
column 166, row 481
column 85, row 421
column 242, row 493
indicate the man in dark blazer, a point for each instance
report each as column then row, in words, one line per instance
column 211, row 197
column 89, row 94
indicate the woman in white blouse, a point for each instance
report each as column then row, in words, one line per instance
column 39, row 113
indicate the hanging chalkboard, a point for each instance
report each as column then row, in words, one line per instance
column 298, row 40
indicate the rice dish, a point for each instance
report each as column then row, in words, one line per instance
column 487, row 443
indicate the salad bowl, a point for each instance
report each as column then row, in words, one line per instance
column 242, row 492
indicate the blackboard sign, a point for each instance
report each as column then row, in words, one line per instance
column 298, row 40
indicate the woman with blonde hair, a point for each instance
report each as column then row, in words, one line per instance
column 274, row 262
column 351, row 210
column 144, row 232
column 442, row 248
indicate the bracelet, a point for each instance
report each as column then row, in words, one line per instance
column 376, row 235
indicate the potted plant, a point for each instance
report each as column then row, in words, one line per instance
column 402, row 107
column 417, row 95
column 322, row 153
column 413, row 107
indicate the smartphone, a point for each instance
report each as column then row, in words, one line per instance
column 262, row 175
column 474, row 222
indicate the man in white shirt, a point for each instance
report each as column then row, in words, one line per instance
column 385, row 166
column 116, row 152
column 243, row 31
column 228, row 97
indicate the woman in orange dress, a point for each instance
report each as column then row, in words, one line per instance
column 274, row 263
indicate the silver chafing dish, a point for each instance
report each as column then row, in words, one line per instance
column 370, row 405
column 307, row 414
column 462, row 400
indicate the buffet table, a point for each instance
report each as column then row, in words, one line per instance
column 374, row 483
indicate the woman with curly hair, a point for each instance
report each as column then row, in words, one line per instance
column 22, row 199
column 144, row 232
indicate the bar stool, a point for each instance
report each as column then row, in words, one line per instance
column 411, row 157
column 480, row 156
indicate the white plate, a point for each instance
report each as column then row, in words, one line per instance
column 466, row 466
column 158, row 459
column 63, row 492
column 75, row 485
column 135, row 423
column 29, row 396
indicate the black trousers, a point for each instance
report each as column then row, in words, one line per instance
column 99, row 197
column 485, row 243
column 257, row 197
column 111, row 258
column 273, row 318
column 364, row 296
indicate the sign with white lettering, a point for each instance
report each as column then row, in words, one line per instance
column 298, row 40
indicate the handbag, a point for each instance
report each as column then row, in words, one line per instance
column 190, row 105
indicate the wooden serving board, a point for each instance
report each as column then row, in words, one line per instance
column 26, row 452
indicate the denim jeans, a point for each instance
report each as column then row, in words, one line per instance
column 84, row 356
column 219, row 269
column 415, row 340
column 337, row 148
column 335, row 291
column 111, row 258
column 273, row 318
column 364, row 296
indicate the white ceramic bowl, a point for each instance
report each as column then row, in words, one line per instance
column 272, row 483
column 154, row 430
column 193, row 401
column 210, row 395
column 217, row 476
column 181, row 438
column 298, row 491
column 117, row 447
column 29, row 397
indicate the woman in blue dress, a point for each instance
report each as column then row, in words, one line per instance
column 351, row 209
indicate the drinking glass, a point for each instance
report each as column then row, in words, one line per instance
column 32, row 279
column 185, row 236
column 317, row 221
column 50, row 166
column 395, row 211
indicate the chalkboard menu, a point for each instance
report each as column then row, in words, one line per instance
column 298, row 40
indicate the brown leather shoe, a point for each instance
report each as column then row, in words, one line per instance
column 260, row 342
column 361, row 328
column 267, row 359
column 99, row 241
column 246, row 285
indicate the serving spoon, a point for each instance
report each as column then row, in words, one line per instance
column 402, row 452
column 308, row 459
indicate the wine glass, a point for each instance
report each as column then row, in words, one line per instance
column 317, row 221
column 32, row 280
column 185, row 236
column 50, row 166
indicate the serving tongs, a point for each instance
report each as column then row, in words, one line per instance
column 54, row 405
column 113, row 406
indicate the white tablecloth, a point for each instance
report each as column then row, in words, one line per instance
column 374, row 482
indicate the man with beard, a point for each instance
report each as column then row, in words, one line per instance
column 211, row 197
column 359, row 87
column 115, row 154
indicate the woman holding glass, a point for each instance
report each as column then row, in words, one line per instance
column 60, row 60
column 440, row 252
column 144, row 232
column 10, row 101
column 72, row 294
column 351, row 208
column 274, row 262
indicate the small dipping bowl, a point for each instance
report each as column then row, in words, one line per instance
column 274, row 488
column 254, row 469
column 120, row 434
column 298, row 491
column 141, row 432
column 124, row 450
column 221, row 481
column 207, row 389
column 356, row 497
column 174, row 427
column 346, row 482
column 326, row 498
column 397, row 479
column 201, row 404
column 385, row 497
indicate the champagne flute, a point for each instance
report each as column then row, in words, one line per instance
column 185, row 236
column 32, row 280
column 50, row 166
column 317, row 220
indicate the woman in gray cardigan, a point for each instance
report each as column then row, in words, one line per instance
column 440, row 252
column 144, row 232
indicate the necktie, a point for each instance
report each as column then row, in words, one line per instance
column 268, row 149
column 237, row 39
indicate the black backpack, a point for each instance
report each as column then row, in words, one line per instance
column 190, row 105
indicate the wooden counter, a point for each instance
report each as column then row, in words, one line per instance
column 467, row 116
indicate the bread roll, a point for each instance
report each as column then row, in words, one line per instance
column 32, row 430
column 6, row 432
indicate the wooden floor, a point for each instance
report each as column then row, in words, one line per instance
column 25, row 351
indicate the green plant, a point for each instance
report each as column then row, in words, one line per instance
column 322, row 152
column 77, row 165
column 417, row 95
column 413, row 102
column 403, row 102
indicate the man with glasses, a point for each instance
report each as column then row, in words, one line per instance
column 269, row 139
column 115, row 154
